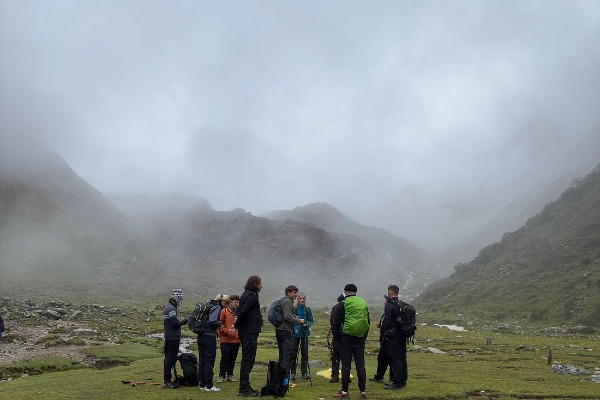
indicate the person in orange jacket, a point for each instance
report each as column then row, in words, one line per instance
column 228, row 338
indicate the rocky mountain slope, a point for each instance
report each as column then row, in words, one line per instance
column 548, row 270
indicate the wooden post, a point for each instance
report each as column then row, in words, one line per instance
column 549, row 355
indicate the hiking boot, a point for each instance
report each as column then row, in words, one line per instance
column 334, row 380
column 170, row 385
column 211, row 389
column 394, row 386
column 305, row 376
column 363, row 395
column 341, row 395
column 221, row 379
column 231, row 379
column 247, row 392
column 376, row 379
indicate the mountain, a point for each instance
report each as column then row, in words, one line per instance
column 57, row 231
column 415, row 266
column 42, row 169
column 547, row 270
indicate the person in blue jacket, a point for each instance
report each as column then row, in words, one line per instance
column 300, row 336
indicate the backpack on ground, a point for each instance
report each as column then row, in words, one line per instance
column 189, row 368
column 277, row 381
column 198, row 320
column 275, row 313
column 406, row 322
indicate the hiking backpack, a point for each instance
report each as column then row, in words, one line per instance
column 356, row 320
column 406, row 321
column 277, row 381
column 198, row 320
column 189, row 368
column 275, row 313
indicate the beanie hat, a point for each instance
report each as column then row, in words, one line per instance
column 351, row 287
column 177, row 294
column 341, row 297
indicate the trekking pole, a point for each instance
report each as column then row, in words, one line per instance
column 307, row 359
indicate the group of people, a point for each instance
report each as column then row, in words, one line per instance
column 238, row 321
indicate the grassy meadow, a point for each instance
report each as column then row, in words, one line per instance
column 513, row 366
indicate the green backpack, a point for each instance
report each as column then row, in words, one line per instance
column 356, row 321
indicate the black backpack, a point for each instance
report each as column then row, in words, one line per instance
column 277, row 381
column 197, row 322
column 406, row 322
column 189, row 368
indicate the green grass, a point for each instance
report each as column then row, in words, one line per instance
column 513, row 367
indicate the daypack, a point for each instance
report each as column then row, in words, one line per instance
column 275, row 313
column 189, row 368
column 277, row 381
column 198, row 320
column 356, row 322
column 406, row 320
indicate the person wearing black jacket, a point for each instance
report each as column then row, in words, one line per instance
column 335, row 351
column 172, row 325
column 395, row 344
column 382, row 358
column 350, row 329
column 249, row 323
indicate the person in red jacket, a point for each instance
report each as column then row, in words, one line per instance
column 228, row 338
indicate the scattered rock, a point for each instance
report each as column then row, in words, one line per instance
column 566, row 369
column 85, row 332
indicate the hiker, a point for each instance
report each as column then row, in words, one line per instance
column 382, row 358
column 335, row 351
column 283, row 332
column 172, row 326
column 300, row 336
column 249, row 322
column 1, row 328
column 207, row 347
column 228, row 338
column 395, row 343
column 351, row 327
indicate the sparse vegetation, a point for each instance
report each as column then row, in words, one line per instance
column 512, row 366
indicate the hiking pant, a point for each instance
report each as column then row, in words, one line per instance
column 303, row 343
column 229, row 352
column 171, row 351
column 335, row 359
column 249, row 345
column 207, row 353
column 285, row 344
column 382, row 361
column 395, row 347
column 353, row 347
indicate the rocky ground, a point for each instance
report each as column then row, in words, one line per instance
column 32, row 346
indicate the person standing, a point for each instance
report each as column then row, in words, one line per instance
column 228, row 337
column 382, row 358
column 351, row 327
column 172, row 332
column 335, row 349
column 300, row 336
column 249, row 324
column 283, row 332
column 207, row 346
column 395, row 343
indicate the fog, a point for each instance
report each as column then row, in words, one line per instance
column 427, row 119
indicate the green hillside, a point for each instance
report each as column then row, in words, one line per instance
column 546, row 271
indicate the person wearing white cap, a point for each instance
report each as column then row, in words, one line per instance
column 172, row 325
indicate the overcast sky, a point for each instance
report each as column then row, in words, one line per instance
column 423, row 118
